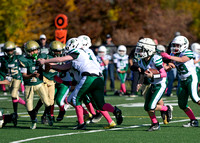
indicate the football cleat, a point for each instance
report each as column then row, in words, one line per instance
column 164, row 117
column 14, row 119
column 1, row 118
column 154, row 127
column 33, row 124
column 192, row 123
column 44, row 119
column 50, row 120
column 87, row 117
column 60, row 116
column 118, row 115
column 80, row 126
column 111, row 125
column 96, row 118
column 169, row 113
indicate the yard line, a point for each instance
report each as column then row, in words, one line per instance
column 92, row 131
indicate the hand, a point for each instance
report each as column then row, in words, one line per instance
column 148, row 74
column 41, row 61
column 35, row 74
column 138, row 87
column 165, row 55
column 171, row 65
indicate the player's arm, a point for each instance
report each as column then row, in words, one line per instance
column 63, row 67
column 28, row 76
column 196, row 61
column 182, row 59
column 7, row 80
column 56, row 60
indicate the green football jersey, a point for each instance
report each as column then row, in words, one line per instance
column 32, row 67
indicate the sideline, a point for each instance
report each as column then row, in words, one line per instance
column 92, row 131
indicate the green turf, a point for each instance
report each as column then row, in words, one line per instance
column 133, row 129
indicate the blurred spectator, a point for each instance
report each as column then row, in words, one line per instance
column 111, row 49
column 44, row 46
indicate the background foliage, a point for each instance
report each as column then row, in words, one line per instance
column 125, row 20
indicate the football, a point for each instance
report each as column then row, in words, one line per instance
column 154, row 71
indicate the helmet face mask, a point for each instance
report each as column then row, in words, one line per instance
column 102, row 51
column 121, row 50
column 145, row 48
column 86, row 41
column 30, row 47
column 72, row 44
column 9, row 48
column 56, row 48
column 195, row 47
column 179, row 44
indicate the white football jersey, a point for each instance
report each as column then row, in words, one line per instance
column 197, row 57
column 83, row 64
column 154, row 62
column 121, row 62
column 187, row 68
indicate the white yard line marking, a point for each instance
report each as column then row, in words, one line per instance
column 92, row 131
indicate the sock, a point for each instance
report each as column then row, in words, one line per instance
column 62, row 108
column 15, row 106
column 108, row 107
column 106, row 115
column 164, row 108
column 32, row 114
column 79, row 113
column 123, row 87
column 38, row 106
column 21, row 101
column 52, row 110
column 84, row 111
column 22, row 88
column 190, row 114
column 3, row 87
column 90, row 108
column 153, row 119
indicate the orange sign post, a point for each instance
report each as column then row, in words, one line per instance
column 61, row 22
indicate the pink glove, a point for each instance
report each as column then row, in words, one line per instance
column 165, row 55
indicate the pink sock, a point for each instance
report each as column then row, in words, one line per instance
column 66, row 100
column 107, row 116
column 108, row 107
column 190, row 114
column 123, row 87
column 21, row 101
column 22, row 87
column 3, row 87
column 153, row 119
column 14, row 100
column 164, row 108
column 79, row 113
column 84, row 111
column 90, row 108
column 52, row 110
column 62, row 108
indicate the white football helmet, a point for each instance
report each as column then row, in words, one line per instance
column 102, row 51
column 71, row 44
column 121, row 50
column 145, row 47
column 18, row 51
column 195, row 47
column 86, row 41
column 179, row 44
column 160, row 49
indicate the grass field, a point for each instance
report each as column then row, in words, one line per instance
column 133, row 129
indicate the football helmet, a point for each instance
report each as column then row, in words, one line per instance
column 102, row 51
column 56, row 46
column 179, row 44
column 145, row 47
column 9, row 46
column 85, row 40
column 160, row 49
column 31, row 46
column 18, row 51
column 121, row 50
column 71, row 44
column 195, row 47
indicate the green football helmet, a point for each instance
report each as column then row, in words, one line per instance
column 31, row 46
